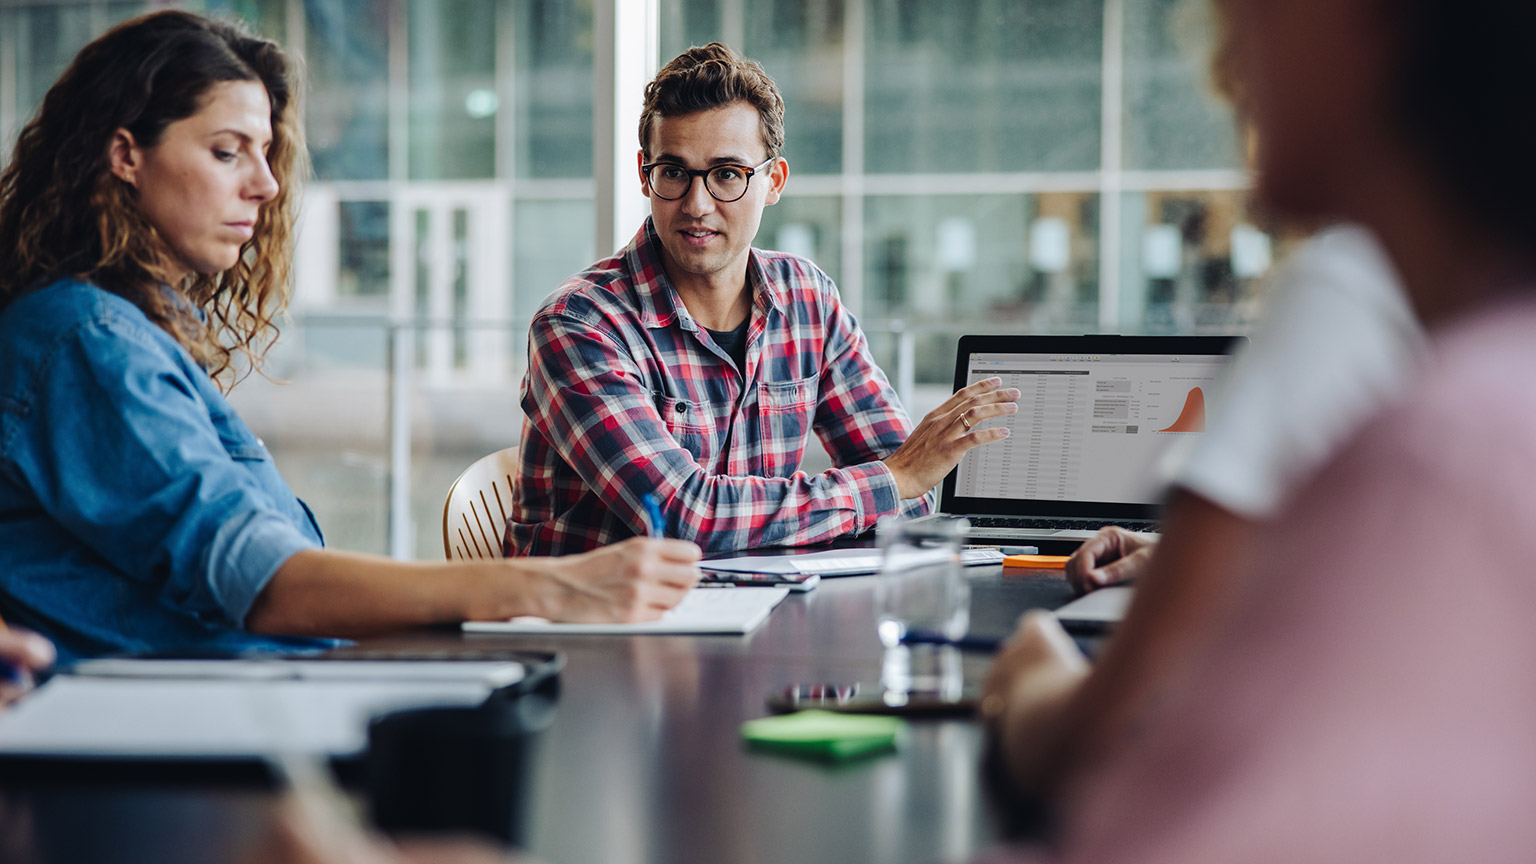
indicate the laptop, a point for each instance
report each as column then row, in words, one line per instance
column 1097, row 415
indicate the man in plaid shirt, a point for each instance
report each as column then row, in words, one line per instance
column 692, row 367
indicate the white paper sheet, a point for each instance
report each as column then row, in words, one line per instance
column 135, row 717
column 704, row 611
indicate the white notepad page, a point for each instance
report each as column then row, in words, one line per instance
column 704, row 611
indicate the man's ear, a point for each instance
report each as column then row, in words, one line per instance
column 778, row 177
column 124, row 157
column 645, row 183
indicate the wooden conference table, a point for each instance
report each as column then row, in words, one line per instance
column 643, row 761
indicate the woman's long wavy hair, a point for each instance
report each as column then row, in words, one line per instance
column 64, row 213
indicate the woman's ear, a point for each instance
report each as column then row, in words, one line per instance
column 124, row 157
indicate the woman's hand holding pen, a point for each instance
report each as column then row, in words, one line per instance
column 635, row 580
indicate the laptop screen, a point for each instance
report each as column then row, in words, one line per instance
column 1096, row 416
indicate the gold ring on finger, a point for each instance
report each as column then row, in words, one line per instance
column 965, row 420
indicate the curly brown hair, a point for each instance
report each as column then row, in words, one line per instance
column 63, row 212
column 708, row 77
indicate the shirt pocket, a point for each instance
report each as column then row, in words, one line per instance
column 785, row 412
column 251, row 455
column 243, row 449
column 690, row 424
column 246, row 452
column 237, row 439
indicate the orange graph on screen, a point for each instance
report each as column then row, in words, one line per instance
column 1192, row 418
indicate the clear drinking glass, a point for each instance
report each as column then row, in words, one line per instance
column 922, row 591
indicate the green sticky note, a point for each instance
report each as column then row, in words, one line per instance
column 825, row 734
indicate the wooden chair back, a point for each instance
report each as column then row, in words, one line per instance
column 479, row 502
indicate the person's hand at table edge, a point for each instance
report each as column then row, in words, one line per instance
column 1111, row 556
column 22, row 653
column 303, row 835
column 1024, row 699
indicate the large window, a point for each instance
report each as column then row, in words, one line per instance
column 1004, row 164
column 1054, row 166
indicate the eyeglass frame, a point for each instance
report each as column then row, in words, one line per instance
column 703, row 174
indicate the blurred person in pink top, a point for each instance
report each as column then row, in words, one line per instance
column 1364, row 691
column 1337, row 341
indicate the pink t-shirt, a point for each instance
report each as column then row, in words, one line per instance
column 1371, row 694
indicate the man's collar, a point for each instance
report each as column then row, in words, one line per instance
column 658, row 301
column 766, row 293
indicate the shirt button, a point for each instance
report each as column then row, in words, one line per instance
column 682, row 408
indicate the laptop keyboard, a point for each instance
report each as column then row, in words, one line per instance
column 1058, row 524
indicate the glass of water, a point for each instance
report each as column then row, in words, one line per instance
column 922, row 589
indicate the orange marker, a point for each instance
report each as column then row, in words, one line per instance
column 1038, row 562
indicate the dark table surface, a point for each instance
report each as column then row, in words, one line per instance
column 643, row 762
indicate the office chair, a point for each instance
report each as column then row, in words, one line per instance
column 475, row 514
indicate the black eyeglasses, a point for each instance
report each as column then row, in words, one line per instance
column 725, row 183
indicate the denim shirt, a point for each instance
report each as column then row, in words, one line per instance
column 138, row 513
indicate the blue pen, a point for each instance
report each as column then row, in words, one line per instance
column 654, row 523
column 964, row 643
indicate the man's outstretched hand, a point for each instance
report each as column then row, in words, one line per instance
column 949, row 432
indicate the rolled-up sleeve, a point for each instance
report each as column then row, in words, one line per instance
column 859, row 417
column 119, row 447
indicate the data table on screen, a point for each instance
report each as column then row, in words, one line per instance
column 1088, row 428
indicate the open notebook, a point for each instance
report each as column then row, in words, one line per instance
column 704, row 611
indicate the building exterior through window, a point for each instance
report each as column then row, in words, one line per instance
column 966, row 166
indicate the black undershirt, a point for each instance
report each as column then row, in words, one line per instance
column 733, row 343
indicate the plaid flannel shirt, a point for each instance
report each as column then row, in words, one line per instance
column 626, row 394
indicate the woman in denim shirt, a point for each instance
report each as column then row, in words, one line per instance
column 146, row 225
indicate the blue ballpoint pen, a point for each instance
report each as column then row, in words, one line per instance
column 653, row 520
column 964, row 643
